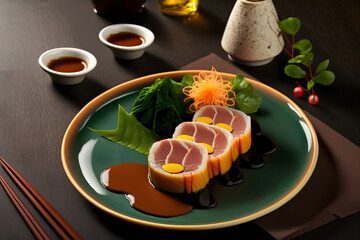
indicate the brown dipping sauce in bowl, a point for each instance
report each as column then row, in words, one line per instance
column 67, row 64
column 127, row 39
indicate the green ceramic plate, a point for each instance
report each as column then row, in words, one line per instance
column 85, row 155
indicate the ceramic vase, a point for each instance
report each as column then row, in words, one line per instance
column 252, row 36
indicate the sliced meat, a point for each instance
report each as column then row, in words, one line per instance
column 192, row 160
column 222, row 115
column 239, row 121
column 192, row 156
column 161, row 152
column 203, row 133
column 177, row 153
column 218, row 138
column 188, row 129
column 220, row 141
column 208, row 112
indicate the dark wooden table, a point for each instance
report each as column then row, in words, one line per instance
column 34, row 112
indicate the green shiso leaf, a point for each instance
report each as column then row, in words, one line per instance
column 187, row 80
column 161, row 107
column 130, row 133
column 246, row 99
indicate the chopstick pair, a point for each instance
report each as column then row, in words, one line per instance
column 55, row 220
column 34, row 226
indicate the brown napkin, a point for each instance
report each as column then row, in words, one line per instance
column 332, row 191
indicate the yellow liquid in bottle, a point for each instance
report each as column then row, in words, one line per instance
column 178, row 7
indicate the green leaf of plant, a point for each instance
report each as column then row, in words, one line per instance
column 294, row 71
column 246, row 99
column 297, row 59
column 325, row 78
column 310, row 85
column 307, row 59
column 290, row 25
column 322, row 66
column 304, row 59
column 304, row 46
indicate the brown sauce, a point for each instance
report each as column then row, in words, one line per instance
column 132, row 179
column 67, row 64
column 127, row 39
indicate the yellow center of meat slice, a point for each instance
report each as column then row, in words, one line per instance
column 225, row 126
column 185, row 137
column 206, row 120
column 173, row 168
column 209, row 148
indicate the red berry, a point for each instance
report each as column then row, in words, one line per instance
column 298, row 91
column 313, row 99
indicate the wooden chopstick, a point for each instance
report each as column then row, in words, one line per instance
column 55, row 220
column 34, row 226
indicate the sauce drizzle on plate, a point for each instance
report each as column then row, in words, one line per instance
column 132, row 179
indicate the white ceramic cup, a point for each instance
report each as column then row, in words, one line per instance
column 127, row 52
column 67, row 78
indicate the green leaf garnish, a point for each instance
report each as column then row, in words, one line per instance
column 246, row 99
column 130, row 133
column 239, row 83
column 187, row 80
column 160, row 107
column 248, row 103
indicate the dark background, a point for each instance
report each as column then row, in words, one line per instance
column 34, row 112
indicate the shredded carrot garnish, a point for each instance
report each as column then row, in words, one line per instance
column 209, row 89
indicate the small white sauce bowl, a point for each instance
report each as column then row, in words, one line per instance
column 127, row 52
column 67, row 78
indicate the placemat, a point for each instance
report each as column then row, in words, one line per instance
column 332, row 191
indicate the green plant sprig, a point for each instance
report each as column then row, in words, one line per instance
column 294, row 69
